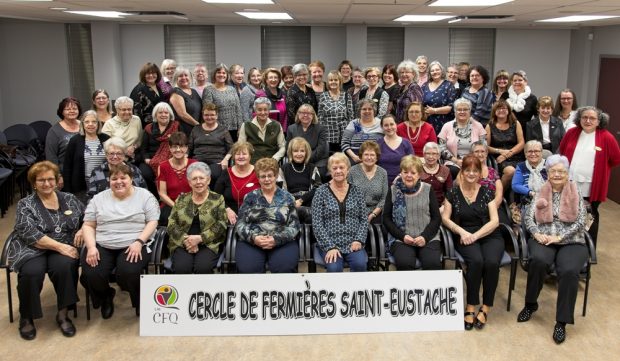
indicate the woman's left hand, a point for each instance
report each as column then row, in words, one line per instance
column 78, row 239
column 468, row 238
column 191, row 243
column 356, row 246
column 134, row 252
column 501, row 159
column 224, row 164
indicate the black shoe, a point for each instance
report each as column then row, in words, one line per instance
column 27, row 333
column 66, row 326
column 479, row 324
column 469, row 325
column 559, row 333
column 138, row 311
column 525, row 314
column 107, row 305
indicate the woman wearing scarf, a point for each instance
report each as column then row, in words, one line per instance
column 520, row 98
column 271, row 81
column 412, row 218
column 556, row 221
column 530, row 175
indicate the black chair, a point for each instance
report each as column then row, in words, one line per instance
column 313, row 257
column 41, row 127
column 26, row 140
column 7, row 183
column 584, row 274
column 4, row 263
column 20, row 162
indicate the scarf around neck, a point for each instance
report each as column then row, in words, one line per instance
column 517, row 101
column 569, row 204
column 399, row 207
column 537, row 178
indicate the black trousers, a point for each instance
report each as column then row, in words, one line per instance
column 150, row 178
column 569, row 260
column 62, row 271
column 483, row 259
column 405, row 256
column 127, row 274
column 281, row 259
column 204, row 261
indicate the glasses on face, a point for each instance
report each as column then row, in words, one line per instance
column 557, row 171
column 178, row 147
column 266, row 176
column 589, row 119
column 46, row 180
column 305, row 114
column 462, row 110
column 502, row 109
column 116, row 154
column 431, row 154
column 124, row 109
column 534, row 151
column 372, row 76
column 198, row 179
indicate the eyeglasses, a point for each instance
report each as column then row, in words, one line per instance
column 116, row 154
column 534, row 151
column 46, row 180
column 177, row 147
column 462, row 110
column 125, row 109
column 266, row 176
column 305, row 113
column 591, row 119
column 557, row 171
column 372, row 76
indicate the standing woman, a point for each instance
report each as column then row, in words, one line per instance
column 505, row 140
column 479, row 96
column 410, row 91
column 415, row 129
column 545, row 128
column 439, row 94
column 355, row 91
column 379, row 96
column 264, row 134
column 500, row 85
column 300, row 93
column 168, row 68
column 47, row 231
column 471, row 215
column 185, row 101
column 371, row 179
column 201, row 78
column 452, row 75
column 339, row 219
column 317, row 69
column 226, row 99
column 390, row 85
column 271, row 82
column 58, row 136
column 306, row 126
column 288, row 79
column 392, row 148
column 346, row 68
column 566, row 108
column 423, row 74
column 520, row 98
column 587, row 144
column 102, row 105
column 237, row 72
column 84, row 153
column 335, row 110
column 248, row 94
column 367, row 127
column 147, row 93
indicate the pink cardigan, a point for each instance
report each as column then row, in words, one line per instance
column 447, row 133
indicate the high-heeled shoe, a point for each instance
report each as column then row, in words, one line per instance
column 469, row 325
column 479, row 324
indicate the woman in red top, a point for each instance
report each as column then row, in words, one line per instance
column 172, row 175
column 586, row 144
column 416, row 129
column 238, row 180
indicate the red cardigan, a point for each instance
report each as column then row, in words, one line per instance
column 607, row 156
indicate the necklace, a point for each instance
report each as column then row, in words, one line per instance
column 431, row 170
column 298, row 171
column 414, row 138
column 469, row 198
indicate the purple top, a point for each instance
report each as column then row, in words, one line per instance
column 390, row 158
column 489, row 181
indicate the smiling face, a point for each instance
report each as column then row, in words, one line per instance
column 345, row 71
column 518, row 83
column 431, row 156
column 422, row 65
column 462, row 113
column 200, row 74
column 299, row 154
column 125, row 112
column 115, row 155
column 405, row 76
column 475, row 78
column 169, row 71
column 452, row 74
column 566, row 100
column 333, row 83
column 209, row 117
column 237, row 75
column 267, row 180
column 221, row 75
column 102, row 101
column 262, row 112
column 589, row 121
column 389, row 126
column 557, row 175
column 317, row 74
column 502, row 83
column 242, row 157
column 369, row 158
column 534, row 154
column 501, row 113
column 414, row 114
column 410, row 177
column 90, row 124
column 339, row 171
column 199, row 182
column 388, row 78
column 544, row 112
column 71, row 112
column 120, row 183
column 305, row 116
column 184, row 81
column 367, row 112
column 45, row 183
column 162, row 116
column 255, row 78
column 179, row 151
column 480, row 151
column 471, row 175
column 435, row 72
column 301, row 78
column 288, row 80
column 358, row 78
column 273, row 80
column 372, row 78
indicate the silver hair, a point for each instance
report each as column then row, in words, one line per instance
column 198, row 166
column 177, row 74
column 460, row 101
column 429, row 146
column 123, row 100
column 520, row 73
column 443, row 70
column 530, row 143
column 556, row 159
column 408, row 65
column 421, row 57
column 116, row 142
column 166, row 63
column 299, row 68
column 86, row 114
column 161, row 105
column 262, row 100
column 603, row 118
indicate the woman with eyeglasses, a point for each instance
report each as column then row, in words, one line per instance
column 415, row 129
column 480, row 97
column 410, row 91
column 379, row 96
column 530, row 175
column 300, row 93
column 102, row 105
column 566, row 108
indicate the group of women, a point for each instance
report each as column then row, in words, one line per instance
column 410, row 154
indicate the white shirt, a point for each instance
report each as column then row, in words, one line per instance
column 582, row 166
column 545, row 131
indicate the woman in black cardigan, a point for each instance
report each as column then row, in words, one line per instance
column 84, row 153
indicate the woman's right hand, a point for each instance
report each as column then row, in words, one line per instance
column 467, row 238
column 69, row 251
column 92, row 256
column 332, row 255
column 231, row 215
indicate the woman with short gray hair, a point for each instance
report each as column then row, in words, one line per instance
column 264, row 134
column 299, row 93
column 125, row 125
column 410, row 91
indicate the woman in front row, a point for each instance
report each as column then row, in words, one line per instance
column 197, row 224
column 556, row 221
column 470, row 213
column 267, row 225
column 117, row 224
column 339, row 219
column 46, row 227
column 412, row 218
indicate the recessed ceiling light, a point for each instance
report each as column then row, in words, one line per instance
column 265, row 16
column 469, row 2
column 423, row 18
column 59, row 9
column 239, row 1
column 101, row 14
column 577, row 18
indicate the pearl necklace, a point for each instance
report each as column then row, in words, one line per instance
column 298, row 171
column 414, row 139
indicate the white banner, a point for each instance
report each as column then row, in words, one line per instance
column 301, row 304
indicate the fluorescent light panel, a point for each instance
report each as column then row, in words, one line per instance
column 238, row 1
column 101, row 14
column 423, row 18
column 577, row 18
column 469, row 2
column 265, row 16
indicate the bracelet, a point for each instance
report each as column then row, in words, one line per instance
column 141, row 241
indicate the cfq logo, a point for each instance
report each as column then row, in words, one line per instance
column 166, row 296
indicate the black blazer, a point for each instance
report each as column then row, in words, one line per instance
column 74, row 167
column 556, row 132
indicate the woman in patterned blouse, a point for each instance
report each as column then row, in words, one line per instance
column 439, row 94
column 339, row 219
column 410, row 91
column 226, row 99
column 367, row 127
column 335, row 110
column 489, row 176
column 267, row 226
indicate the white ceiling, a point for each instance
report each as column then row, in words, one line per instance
column 320, row 12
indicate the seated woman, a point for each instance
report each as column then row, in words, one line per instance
column 300, row 176
column 307, row 126
column 415, row 129
column 210, row 142
column 434, row 173
column 172, row 175
column 197, row 225
column 471, row 215
column 556, row 222
column 267, row 226
column 367, row 127
column 84, row 153
column 238, row 180
column 392, row 147
column 125, row 125
column 412, row 219
column 47, row 234
column 117, row 224
column 489, row 177
column 371, row 180
column 340, row 220
column 531, row 174
column 545, row 128
column 263, row 133
column 115, row 153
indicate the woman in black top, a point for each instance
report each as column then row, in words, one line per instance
column 185, row 101
column 300, row 93
column 300, row 176
column 147, row 93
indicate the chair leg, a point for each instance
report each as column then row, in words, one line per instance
column 87, row 304
column 585, row 293
column 9, row 293
column 511, row 284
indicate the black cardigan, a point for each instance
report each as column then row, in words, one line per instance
column 74, row 167
column 533, row 130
